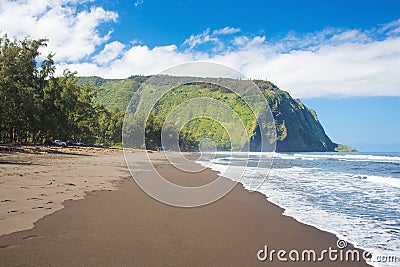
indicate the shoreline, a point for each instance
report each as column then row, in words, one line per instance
column 237, row 225
column 285, row 210
column 350, row 218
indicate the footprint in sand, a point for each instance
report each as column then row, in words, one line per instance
column 6, row 200
column 5, row 246
column 34, row 198
column 40, row 207
column 30, row 237
column 12, row 211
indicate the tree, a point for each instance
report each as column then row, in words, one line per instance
column 18, row 83
column 36, row 106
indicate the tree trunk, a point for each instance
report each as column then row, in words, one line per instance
column 11, row 134
column 36, row 137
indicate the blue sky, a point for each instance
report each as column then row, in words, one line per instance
column 340, row 57
column 371, row 124
column 170, row 22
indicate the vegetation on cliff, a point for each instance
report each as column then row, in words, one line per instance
column 297, row 126
column 344, row 148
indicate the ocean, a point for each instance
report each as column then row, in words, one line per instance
column 355, row 196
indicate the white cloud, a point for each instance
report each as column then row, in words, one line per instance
column 226, row 30
column 110, row 52
column 391, row 28
column 138, row 3
column 343, row 71
column 73, row 34
column 139, row 59
column 200, row 38
column 207, row 36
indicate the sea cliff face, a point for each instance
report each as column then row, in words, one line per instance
column 297, row 127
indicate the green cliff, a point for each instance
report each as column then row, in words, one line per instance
column 297, row 126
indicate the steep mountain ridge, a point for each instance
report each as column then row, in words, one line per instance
column 297, row 127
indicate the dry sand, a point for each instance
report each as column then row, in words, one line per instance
column 126, row 227
column 35, row 181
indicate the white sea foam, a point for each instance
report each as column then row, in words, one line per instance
column 311, row 156
column 383, row 180
column 348, row 157
column 354, row 207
